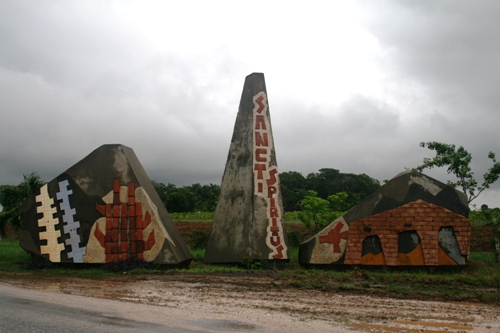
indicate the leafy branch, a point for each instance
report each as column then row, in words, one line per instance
column 458, row 162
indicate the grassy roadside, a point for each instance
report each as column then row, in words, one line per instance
column 478, row 282
column 207, row 217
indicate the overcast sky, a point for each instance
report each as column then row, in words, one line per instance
column 352, row 85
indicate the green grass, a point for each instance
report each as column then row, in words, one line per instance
column 478, row 282
column 197, row 268
column 12, row 256
column 485, row 257
column 207, row 217
column 198, row 217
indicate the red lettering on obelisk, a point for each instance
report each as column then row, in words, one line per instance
column 266, row 177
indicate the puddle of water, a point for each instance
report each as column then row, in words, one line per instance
column 223, row 325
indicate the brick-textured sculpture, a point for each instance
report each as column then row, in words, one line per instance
column 103, row 209
column 248, row 221
column 413, row 220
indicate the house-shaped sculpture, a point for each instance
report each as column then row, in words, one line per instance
column 413, row 220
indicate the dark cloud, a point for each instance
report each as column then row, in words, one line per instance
column 354, row 87
column 448, row 50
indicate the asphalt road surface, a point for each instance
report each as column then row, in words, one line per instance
column 33, row 311
column 26, row 310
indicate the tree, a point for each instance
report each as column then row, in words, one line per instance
column 338, row 202
column 326, row 182
column 13, row 197
column 293, row 190
column 180, row 200
column 330, row 181
column 162, row 190
column 458, row 163
column 206, row 196
column 318, row 212
column 188, row 198
column 490, row 217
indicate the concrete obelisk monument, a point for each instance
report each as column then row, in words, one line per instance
column 249, row 219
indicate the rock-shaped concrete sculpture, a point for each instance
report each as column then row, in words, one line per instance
column 248, row 221
column 104, row 209
column 413, row 220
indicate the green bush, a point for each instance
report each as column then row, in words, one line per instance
column 199, row 239
column 293, row 238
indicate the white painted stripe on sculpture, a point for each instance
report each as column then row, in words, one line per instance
column 70, row 226
column 50, row 235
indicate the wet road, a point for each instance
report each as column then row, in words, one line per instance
column 33, row 311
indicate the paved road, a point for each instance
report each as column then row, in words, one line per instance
column 35, row 311
column 23, row 310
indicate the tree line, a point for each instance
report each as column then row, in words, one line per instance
column 328, row 182
column 294, row 188
column 192, row 198
column 328, row 191
column 203, row 198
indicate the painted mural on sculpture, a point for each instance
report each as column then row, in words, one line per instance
column 102, row 210
column 413, row 220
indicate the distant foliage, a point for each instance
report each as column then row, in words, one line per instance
column 295, row 187
column 199, row 238
column 487, row 216
column 317, row 213
column 192, row 216
column 12, row 198
column 193, row 198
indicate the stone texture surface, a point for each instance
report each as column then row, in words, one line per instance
column 410, row 208
column 248, row 221
column 103, row 209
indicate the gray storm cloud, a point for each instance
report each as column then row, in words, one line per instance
column 355, row 86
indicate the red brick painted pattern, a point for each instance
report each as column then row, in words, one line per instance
column 426, row 218
column 124, row 238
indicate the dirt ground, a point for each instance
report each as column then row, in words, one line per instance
column 223, row 293
column 247, row 294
